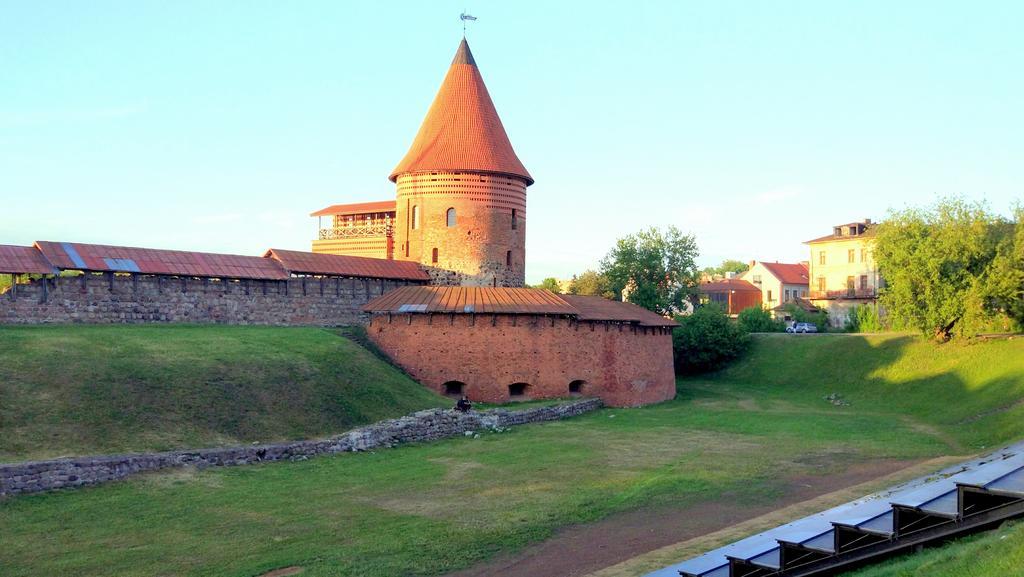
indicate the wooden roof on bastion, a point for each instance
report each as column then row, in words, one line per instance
column 517, row 301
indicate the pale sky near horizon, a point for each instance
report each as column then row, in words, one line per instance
column 219, row 126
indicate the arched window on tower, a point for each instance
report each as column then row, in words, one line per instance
column 508, row 258
column 433, row 256
column 515, row 219
column 451, row 217
column 415, row 217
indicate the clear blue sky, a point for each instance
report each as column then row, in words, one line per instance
column 219, row 126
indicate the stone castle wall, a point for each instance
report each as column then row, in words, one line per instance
column 107, row 298
column 474, row 252
column 429, row 425
column 624, row 365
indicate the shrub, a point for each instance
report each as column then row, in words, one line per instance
column 864, row 319
column 706, row 340
column 757, row 320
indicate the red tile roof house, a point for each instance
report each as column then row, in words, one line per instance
column 780, row 283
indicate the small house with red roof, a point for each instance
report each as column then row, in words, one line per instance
column 780, row 283
column 732, row 294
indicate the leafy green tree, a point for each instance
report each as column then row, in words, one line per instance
column 937, row 265
column 706, row 340
column 757, row 320
column 551, row 284
column 591, row 283
column 657, row 267
column 1004, row 291
column 727, row 266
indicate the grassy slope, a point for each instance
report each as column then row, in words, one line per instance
column 428, row 509
column 974, row 393
column 97, row 389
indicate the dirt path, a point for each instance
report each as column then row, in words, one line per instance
column 582, row 549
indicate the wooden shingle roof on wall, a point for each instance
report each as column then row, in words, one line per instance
column 515, row 301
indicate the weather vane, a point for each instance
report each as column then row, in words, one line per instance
column 465, row 17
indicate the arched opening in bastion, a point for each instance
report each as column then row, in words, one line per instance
column 454, row 388
column 576, row 387
column 519, row 390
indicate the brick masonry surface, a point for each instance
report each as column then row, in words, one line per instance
column 105, row 298
column 624, row 365
column 482, row 247
column 428, row 425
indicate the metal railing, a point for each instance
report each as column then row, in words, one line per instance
column 848, row 293
column 356, row 231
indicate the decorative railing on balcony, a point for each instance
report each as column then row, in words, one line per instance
column 378, row 229
column 861, row 293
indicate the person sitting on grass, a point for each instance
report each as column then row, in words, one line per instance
column 463, row 405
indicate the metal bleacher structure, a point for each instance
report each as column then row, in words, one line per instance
column 958, row 500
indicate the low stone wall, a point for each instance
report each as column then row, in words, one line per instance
column 429, row 425
column 107, row 298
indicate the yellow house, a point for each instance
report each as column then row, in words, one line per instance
column 843, row 272
column 780, row 283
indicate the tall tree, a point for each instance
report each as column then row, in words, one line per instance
column 656, row 269
column 591, row 283
column 936, row 264
column 551, row 284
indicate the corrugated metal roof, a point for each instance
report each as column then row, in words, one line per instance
column 299, row 262
column 462, row 130
column 95, row 257
column 357, row 208
column 23, row 259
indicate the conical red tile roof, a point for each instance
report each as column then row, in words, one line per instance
column 462, row 130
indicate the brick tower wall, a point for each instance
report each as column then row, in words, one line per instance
column 624, row 365
column 474, row 252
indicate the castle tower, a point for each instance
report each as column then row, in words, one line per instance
column 461, row 209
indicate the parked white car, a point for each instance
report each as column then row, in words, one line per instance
column 802, row 328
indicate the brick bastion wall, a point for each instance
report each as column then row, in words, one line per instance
column 429, row 425
column 109, row 298
column 490, row 357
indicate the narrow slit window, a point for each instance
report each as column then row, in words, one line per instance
column 433, row 256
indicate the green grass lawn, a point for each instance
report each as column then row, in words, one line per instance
column 71, row 390
column 736, row 437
